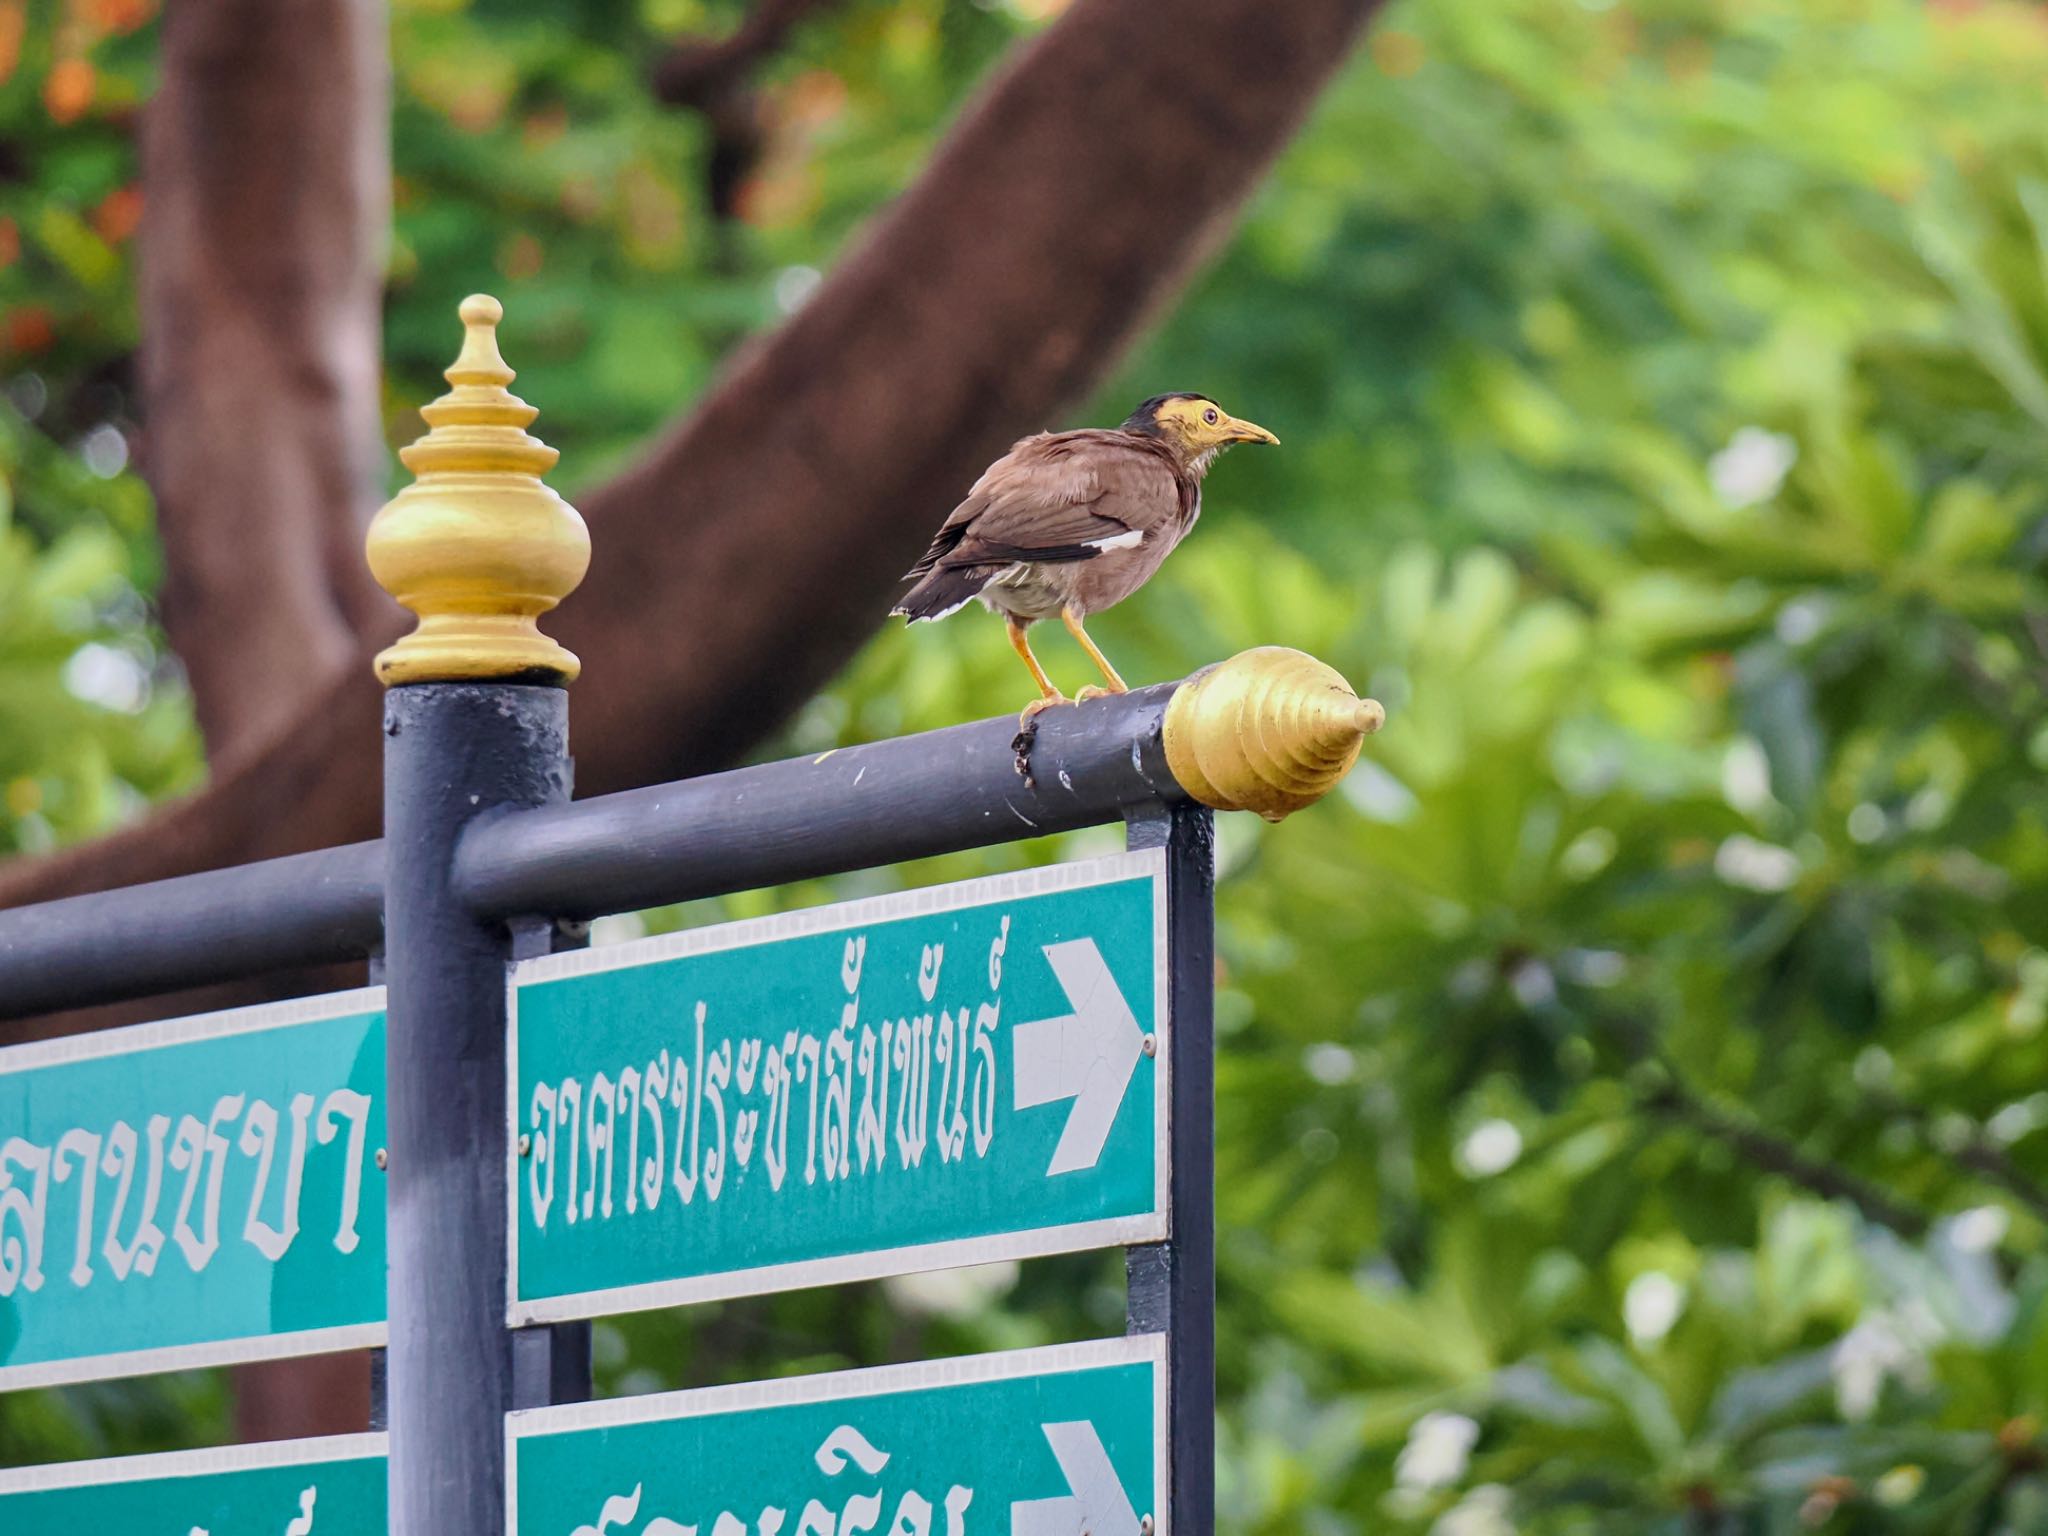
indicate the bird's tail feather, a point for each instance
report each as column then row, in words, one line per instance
column 944, row 591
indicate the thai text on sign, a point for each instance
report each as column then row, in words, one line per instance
column 192, row 1191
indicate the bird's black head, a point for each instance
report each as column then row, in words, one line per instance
column 1146, row 418
column 1194, row 426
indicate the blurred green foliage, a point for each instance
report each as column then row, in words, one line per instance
column 1633, row 1085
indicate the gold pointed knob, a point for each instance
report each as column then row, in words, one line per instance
column 477, row 546
column 1270, row 730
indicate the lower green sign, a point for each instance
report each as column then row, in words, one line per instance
column 1041, row 1442
column 332, row 1487
column 193, row 1192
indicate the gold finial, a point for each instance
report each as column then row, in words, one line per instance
column 1270, row 730
column 477, row 546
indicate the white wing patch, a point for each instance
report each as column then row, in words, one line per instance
column 1129, row 539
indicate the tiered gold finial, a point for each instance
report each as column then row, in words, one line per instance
column 477, row 546
column 1270, row 730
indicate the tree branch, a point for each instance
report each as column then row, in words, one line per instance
column 1974, row 1152
column 695, row 72
column 1661, row 1088
column 1777, row 1155
column 715, row 80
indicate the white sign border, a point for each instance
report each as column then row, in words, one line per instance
column 189, row 1029
column 847, row 1386
column 106, row 1472
column 1154, row 1226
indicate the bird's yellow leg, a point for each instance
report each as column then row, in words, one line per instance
column 1048, row 695
column 1116, row 684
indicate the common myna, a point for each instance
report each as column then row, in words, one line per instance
column 1067, row 524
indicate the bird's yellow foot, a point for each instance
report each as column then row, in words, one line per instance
column 1038, row 707
column 1093, row 692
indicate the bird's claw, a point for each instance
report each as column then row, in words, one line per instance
column 1027, row 733
column 1093, row 692
column 1038, row 707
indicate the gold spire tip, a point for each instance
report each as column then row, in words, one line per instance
column 477, row 546
column 480, row 362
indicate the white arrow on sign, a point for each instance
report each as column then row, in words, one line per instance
column 1098, row 1505
column 1087, row 1055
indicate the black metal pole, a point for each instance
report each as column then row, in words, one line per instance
column 454, row 753
column 1172, row 1285
column 308, row 909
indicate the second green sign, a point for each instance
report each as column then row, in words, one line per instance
column 948, row 1076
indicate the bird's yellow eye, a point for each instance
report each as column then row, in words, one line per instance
column 1210, row 415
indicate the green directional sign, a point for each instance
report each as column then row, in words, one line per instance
column 946, row 1076
column 192, row 1192
column 1042, row 1442
column 333, row 1487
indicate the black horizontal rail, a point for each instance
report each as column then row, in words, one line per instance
column 909, row 797
column 880, row 803
column 308, row 909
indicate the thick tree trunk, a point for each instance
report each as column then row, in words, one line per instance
column 297, row 1399
column 267, row 167
column 742, row 560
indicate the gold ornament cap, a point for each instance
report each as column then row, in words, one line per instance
column 1270, row 730
column 477, row 546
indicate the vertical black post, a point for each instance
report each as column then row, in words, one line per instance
column 453, row 752
column 380, row 1416
column 1173, row 1284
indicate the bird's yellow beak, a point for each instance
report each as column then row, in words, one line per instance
column 1246, row 432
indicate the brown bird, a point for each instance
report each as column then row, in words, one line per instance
column 1067, row 524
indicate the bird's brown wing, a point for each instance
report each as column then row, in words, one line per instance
column 1057, row 497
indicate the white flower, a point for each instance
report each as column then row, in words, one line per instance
column 1800, row 620
column 1899, row 1486
column 1979, row 1229
column 2018, row 1118
column 1651, row 1305
column 1752, row 467
column 1882, row 1344
column 1867, row 822
column 1482, row 1512
column 105, row 450
column 106, row 676
column 793, row 285
column 1755, row 866
column 1746, row 776
column 1438, row 1448
column 1532, row 984
column 1330, row 1063
column 1490, row 1148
